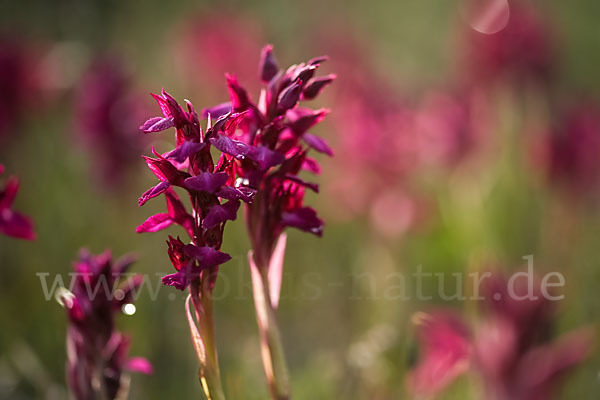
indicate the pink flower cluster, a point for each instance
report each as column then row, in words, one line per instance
column 509, row 347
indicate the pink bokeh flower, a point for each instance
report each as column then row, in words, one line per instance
column 521, row 52
column 508, row 346
column 210, row 44
column 20, row 83
column 568, row 150
column 106, row 119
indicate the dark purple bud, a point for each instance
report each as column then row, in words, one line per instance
column 317, row 143
column 289, row 97
column 268, row 66
column 316, row 85
column 304, row 73
column 317, row 60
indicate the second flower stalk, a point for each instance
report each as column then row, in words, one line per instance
column 263, row 147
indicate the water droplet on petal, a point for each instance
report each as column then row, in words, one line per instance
column 128, row 309
column 487, row 16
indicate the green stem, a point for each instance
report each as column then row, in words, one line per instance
column 272, row 352
column 209, row 374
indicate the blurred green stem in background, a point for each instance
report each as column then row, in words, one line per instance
column 203, row 336
column 272, row 352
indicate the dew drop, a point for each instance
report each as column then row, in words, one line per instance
column 128, row 309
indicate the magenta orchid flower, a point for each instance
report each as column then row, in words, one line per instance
column 13, row 223
column 269, row 149
column 97, row 353
column 215, row 195
column 508, row 347
column 210, row 186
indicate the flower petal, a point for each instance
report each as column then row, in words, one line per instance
column 155, row 223
column 316, row 85
column 16, row 225
column 238, row 95
column 206, row 256
column 220, row 213
column 302, row 119
column 153, row 192
column 217, row 111
column 242, row 193
column 184, row 150
column 305, row 219
column 157, row 124
column 229, row 146
column 290, row 96
column 318, row 143
column 206, row 181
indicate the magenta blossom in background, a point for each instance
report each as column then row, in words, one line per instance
column 446, row 352
column 521, row 52
column 508, row 347
column 13, row 223
column 107, row 115
column 569, row 152
column 97, row 353
column 449, row 127
column 19, row 83
column 209, row 45
column 376, row 147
